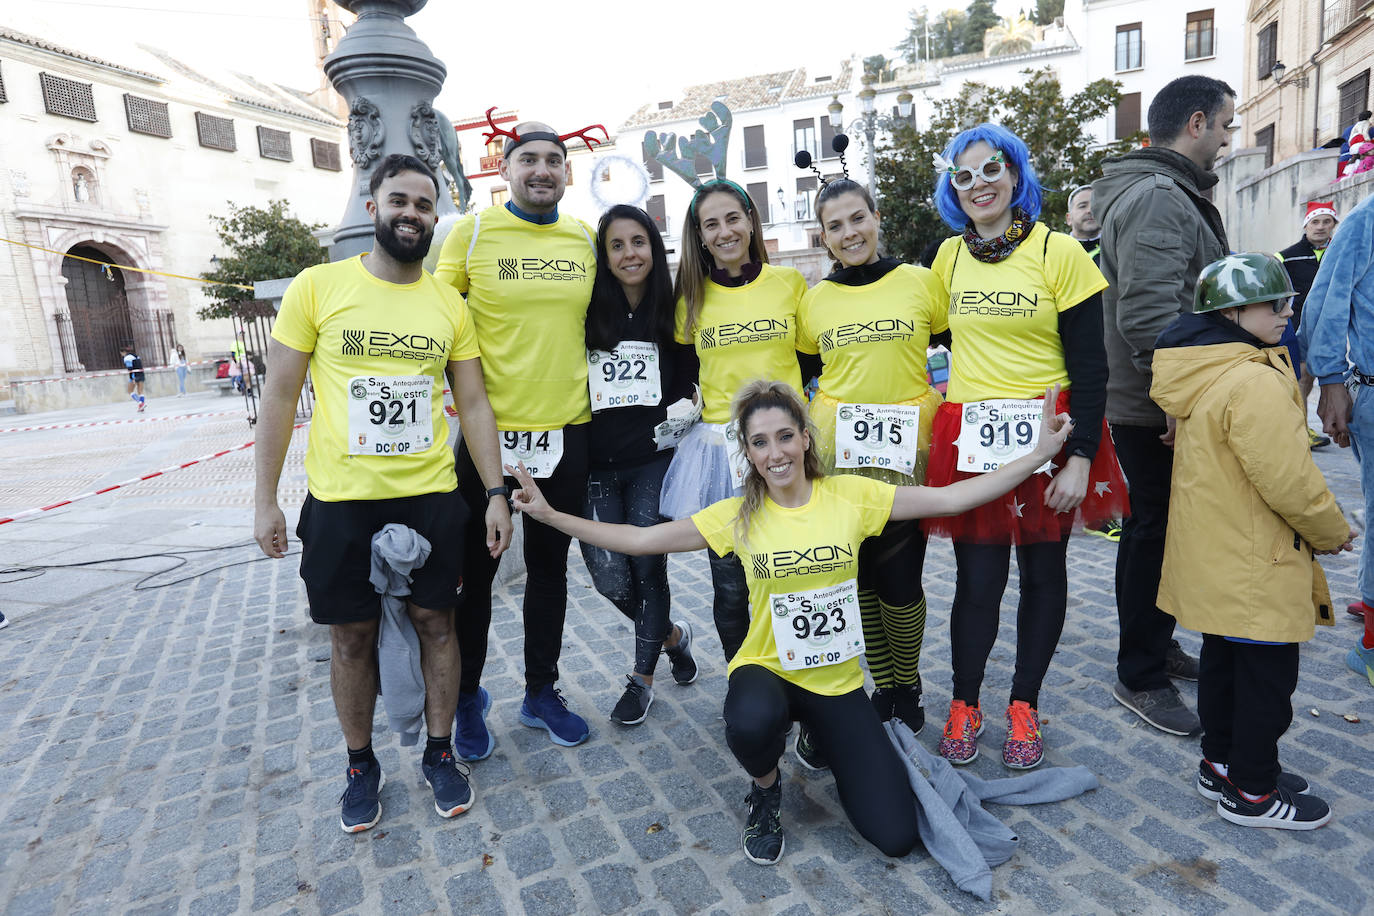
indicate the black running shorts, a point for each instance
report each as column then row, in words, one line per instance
column 336, row 552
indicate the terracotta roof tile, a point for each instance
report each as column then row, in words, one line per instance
column 742, row 94
column 25, row 39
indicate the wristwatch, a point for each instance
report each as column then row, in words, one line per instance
column 502, row 490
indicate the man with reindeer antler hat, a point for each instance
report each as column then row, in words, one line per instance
column 527, row 272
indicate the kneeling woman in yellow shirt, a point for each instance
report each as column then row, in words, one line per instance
column 798, row 533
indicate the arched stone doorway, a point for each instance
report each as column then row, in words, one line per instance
column 98, row 305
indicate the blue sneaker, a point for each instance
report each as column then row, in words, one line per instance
column 546, row 709
column 471, row 738
column 1361, row 661
column 452, row 793
column 3, row 622
column 360, row 807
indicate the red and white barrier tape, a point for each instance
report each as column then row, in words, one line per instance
column 183, row 416
column 28, row 513
column 124, row 372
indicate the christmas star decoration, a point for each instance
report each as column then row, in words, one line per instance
column 1102, row 486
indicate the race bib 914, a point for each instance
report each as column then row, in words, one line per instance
column 540, row 450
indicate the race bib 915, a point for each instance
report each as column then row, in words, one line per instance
column 877, row 436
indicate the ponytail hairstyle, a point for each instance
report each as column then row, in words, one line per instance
column 754, row 396
column 831, row 190
column 609, row 305
column 696, row 263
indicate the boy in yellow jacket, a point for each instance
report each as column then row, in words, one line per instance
column 1249, row 510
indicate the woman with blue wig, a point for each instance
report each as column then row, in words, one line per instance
column 1025, row 313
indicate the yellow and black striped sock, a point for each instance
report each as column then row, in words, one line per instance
column 905, row 631
column 876, row 649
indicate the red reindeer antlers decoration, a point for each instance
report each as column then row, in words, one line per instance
column 560, row 139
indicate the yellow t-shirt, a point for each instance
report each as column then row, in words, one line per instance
column 795, row 550
column 527, row 287
column 353, row 324
column 1004, row 317
column 744, row 333
column 872, row 339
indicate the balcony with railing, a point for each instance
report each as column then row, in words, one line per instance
column 1338, row 15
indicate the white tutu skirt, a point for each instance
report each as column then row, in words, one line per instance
column 699, row 474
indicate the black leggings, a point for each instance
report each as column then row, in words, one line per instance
column 1245, row 702
column 982, row 578
column 871, row 779
column 730, row 601
column 546, row 565
column 637, row 586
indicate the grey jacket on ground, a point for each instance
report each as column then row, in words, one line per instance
column 1158, row 232
column 966, row 840
column 396, row 551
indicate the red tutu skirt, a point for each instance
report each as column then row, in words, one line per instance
column 1021, row 516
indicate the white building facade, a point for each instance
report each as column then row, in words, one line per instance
column 126, row 162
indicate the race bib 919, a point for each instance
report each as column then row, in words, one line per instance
column 993, row 433
column 390, row 415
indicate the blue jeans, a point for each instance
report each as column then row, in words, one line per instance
column 637, row 586
column 1362, row 441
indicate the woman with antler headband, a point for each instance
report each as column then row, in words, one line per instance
column 871, row 321
column 1025, row 313
column 740, row 314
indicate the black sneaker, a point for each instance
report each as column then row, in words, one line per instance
column 452, row 792
column 807, row 752
column 1179, row 664
column 1209, row 781
column 906, row 705
column 884, row 700
column 634, row 704
column 1280, row 809
column 763, row 840
column 1162, row 707
column 359, row 805
column 680, row 656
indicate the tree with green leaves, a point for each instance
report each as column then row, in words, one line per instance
column 1064, row 154
column 982, row 15
column 263, row 243
column 1046, row 11
column 942, row 31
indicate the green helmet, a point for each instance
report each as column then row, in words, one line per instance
column 1241, row 279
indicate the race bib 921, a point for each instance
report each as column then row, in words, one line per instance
column 390, row 415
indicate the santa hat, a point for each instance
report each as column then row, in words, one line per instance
column 1320, row 208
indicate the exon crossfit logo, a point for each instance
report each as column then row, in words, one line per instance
column 723, row 335
column 822, row 558
column 995, row 304
column 827, row 340
column 541, row 269
column 394, row 344
column 879, row 329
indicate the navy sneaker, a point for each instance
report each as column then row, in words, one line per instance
column 763, row 839
column 1279, row 809
column 680, row 656
column 471, row 738
column 452, row 793
column 1209, row 781
column 545, row 708
column 360, row 807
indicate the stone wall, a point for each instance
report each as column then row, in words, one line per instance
column 36, row 396
column 1263, row 208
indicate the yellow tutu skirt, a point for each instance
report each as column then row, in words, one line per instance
column 823, row 409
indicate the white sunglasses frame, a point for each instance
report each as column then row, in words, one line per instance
column 977, row 173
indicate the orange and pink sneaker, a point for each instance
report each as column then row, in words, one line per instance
column 960, row 742
column 1023, row 748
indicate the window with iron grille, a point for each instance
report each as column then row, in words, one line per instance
column 1354, row 98
column 147, row 116
column 274, row 144
column 1199, row 39
column 67, row 98
column 324, row 154
column 1268, row 51
column 3, row 96
column 216, row 133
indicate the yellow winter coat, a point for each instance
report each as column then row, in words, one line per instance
column 1248, row 504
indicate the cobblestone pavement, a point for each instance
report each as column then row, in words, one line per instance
column 168, row 744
